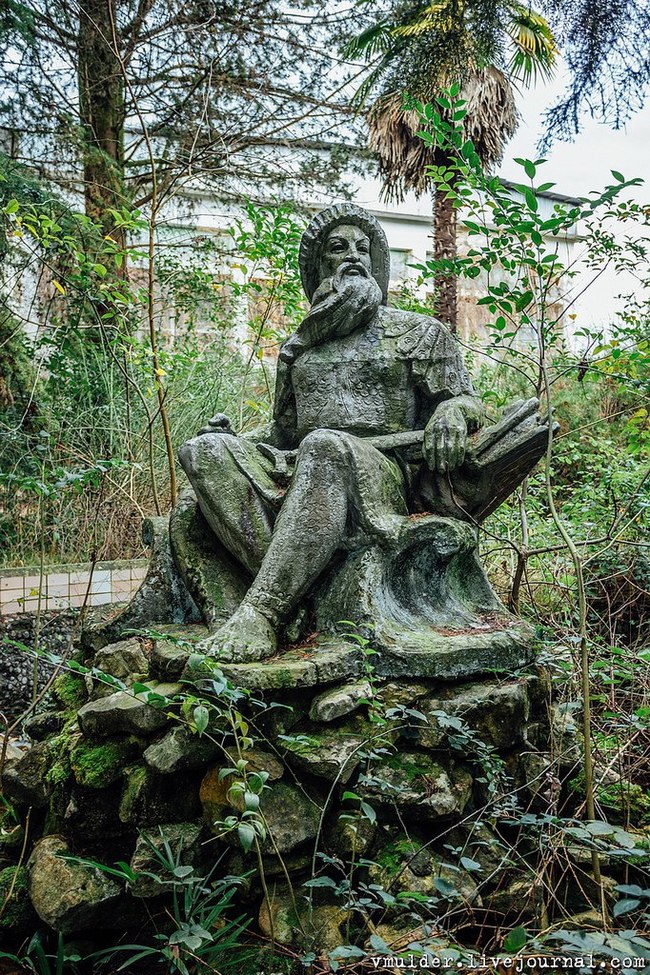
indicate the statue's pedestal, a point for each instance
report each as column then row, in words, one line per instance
column 401, row 767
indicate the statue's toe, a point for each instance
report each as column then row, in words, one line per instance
column 246, row 637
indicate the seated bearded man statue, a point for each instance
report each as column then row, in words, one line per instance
column 373, row 415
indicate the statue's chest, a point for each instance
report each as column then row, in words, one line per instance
column 363, row 388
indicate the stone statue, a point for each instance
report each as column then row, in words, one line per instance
column 360, row 500
column 359, row 503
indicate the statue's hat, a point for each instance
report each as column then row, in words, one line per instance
column 315, row 235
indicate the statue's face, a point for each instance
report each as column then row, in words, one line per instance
column 349, row 247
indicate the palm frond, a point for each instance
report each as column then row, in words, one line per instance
column 370, row 42
column 535, row 51
column 491, row 120
column 492, row 117
column 402, row 157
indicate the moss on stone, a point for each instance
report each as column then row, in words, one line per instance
column 136, row 780
column 627, row 801
column 11, row 829
column 97, row 766
column 18, row 913
column 70, row 690
column 60, row 770
column 394, row 855
column 410, row 769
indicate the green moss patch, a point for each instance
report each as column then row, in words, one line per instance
column 70, row 690
column 98, row 766
column 18, row 913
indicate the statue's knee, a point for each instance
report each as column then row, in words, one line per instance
column 330, row 445
column 205, row 452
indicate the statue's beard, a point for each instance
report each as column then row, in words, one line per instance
column 341, row 304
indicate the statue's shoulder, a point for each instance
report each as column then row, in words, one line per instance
column 415, row 335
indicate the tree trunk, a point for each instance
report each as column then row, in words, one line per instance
column 101, row 111
column 444, row 249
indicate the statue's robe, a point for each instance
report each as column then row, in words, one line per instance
column 386, row 378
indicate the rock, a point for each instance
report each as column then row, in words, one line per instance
column 92, row 814
column 567, row 739
column 168, row 660
column 350, row 836
column 125, row 659
column 578, row 892
column 480, row 843
column 214, row 788
column 11, row 752
column 328, row 662
column 67, row 896
column 452, row 656
column 125, row 713
column 25, row 780
column 216, row 800
column 333, row 756
column 98, row 766
column 517, row 898
column 403, row 694
column 289, row 920
column 340, row 701
column 294, row 864
column 17, row 914
column 149, row 798
column 538, row 775
column 418, row 785
column 184, row 840
column 44, row 724
column 290, row 817
column 405, row 867
column 402, row 933
column 180, row 750
column 496, row 712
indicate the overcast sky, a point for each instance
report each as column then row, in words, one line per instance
column 583, row 165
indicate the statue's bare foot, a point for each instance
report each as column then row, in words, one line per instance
column 246, row 637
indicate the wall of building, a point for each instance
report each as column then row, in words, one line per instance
column 62, row 587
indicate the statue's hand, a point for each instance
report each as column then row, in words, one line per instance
column 218, row 424
column 445, row 438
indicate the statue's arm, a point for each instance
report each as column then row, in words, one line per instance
column 452, row 411
column 283, row 427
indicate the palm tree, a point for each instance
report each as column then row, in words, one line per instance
column 422, row 49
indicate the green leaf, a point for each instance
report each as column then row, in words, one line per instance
column 618, row 176
column 599, row 829
column 444, row 887
column 320, row 882
column 246, row 834
column 201, row 718
column 530, row 168
column 531, row 200
column 625, row 906
column 12, row 206
column 368, row 812
column 515, row 940
column 379, row 944
column 183, row 871
column 470, row 864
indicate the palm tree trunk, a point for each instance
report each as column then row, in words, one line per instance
column 444, row 249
